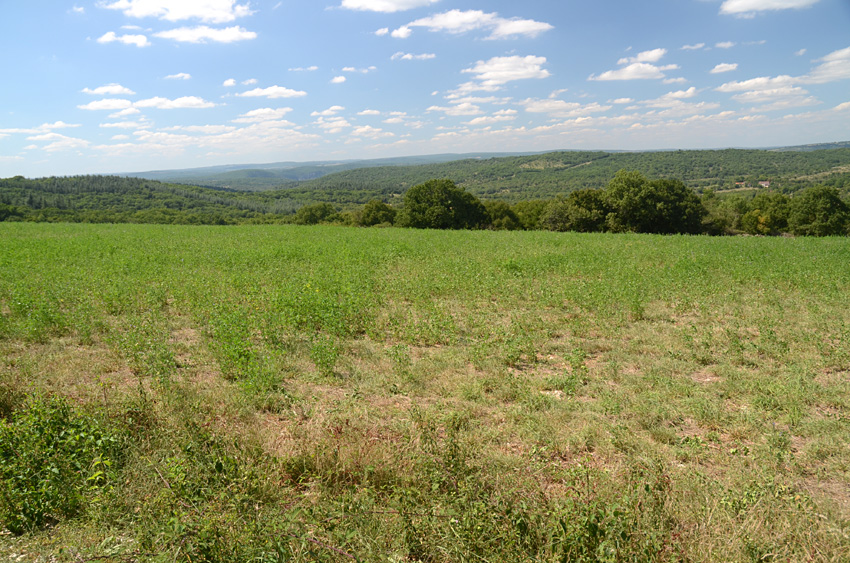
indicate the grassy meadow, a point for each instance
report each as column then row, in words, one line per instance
column 268, row 394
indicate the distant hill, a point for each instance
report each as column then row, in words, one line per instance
column 547, row 175
column 256, row 177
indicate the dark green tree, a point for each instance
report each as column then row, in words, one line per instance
column 376, row 212
column 583, row 210
column 440, row 204
column 818, row 211
column 662, row 206
column 502, row 217
column 313, row 214
column 767, row 215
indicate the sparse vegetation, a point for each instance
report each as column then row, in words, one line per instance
column 285, row 393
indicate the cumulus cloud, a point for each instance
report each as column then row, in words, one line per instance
column 262, row 114
column 387, row 6
column 498, row 117
column 400, row 56
column 179, row 76
column 110, row 104
column 272, row 92
column 500, row 70
column 331, row 111
column 835, row 66
column 229, row 82
column 635, row 71
column 369, row 112
column 725, row 44
column 304, row 69
column 203, row 34
column 780, row 92
column 639, row 67
column 371, row 132
column 457, row 21
column 57, row 142
column 112, row 37
column 562, row 109
column 747, row 8
column 724, row 67
column 695, row 47
column 652, row 56
column 338, row 79
column 465, row 108
column 333, row 125
column 366, row 70
column 185, row 102
column 112, row 89
column 207, row 11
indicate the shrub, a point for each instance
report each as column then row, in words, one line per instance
column 440, row 204
column 53, row 463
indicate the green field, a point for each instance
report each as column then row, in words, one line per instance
column 283, row 393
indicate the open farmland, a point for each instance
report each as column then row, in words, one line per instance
column 285, row 393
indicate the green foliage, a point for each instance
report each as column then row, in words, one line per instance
column 658, row 206
column 582, row 211
column 376, row 212
column 818, row 211
column 440, row 204
column 314, row 214
column 502, row 217
column 54, row 462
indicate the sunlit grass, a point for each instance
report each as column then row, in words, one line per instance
column 297, row 394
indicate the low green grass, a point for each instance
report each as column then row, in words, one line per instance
column 268, row 394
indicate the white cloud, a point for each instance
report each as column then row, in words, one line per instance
column 383, row 31
column 724, row 67
column 465, row 108
column 109, row 90
column 369, row 112
column 457, row 21
column 338, row 80
column 678, row 80
column 695, row 47
column 639, row 67
column 498, row 117
column 110, row 104
column 366, row 70
column 725, row 44
column 262, row 114
column 78, row 10
column 57, row 142
column 371, row 132
column 331, row 111
column 402, row 33
column 203, row 129
column 179, row 76
column 635, row 71
column 760, row 83
column 333, row 125
column 229, row 82
column 400, row 56
column 302, row 69
column 501, row 70
column 386, row 6
column 800, row 53
column 125, row 125
column 249, row 82
column 842, row 107
column 137, row 40
column 835, row 66
column 562, row 109
column 272, row 92
column 652, row 56
column 185, row 102
column 203, row 33
column 747, row 8
column 124, row 113
column 208, row 11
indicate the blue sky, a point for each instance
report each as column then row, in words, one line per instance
column 104, row 86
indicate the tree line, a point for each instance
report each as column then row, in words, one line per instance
column 630, row 202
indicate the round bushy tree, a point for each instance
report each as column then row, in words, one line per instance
column 440, row 204
column 659, row 206
column 584, row 211
column 376, row 212
column 818, row 211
